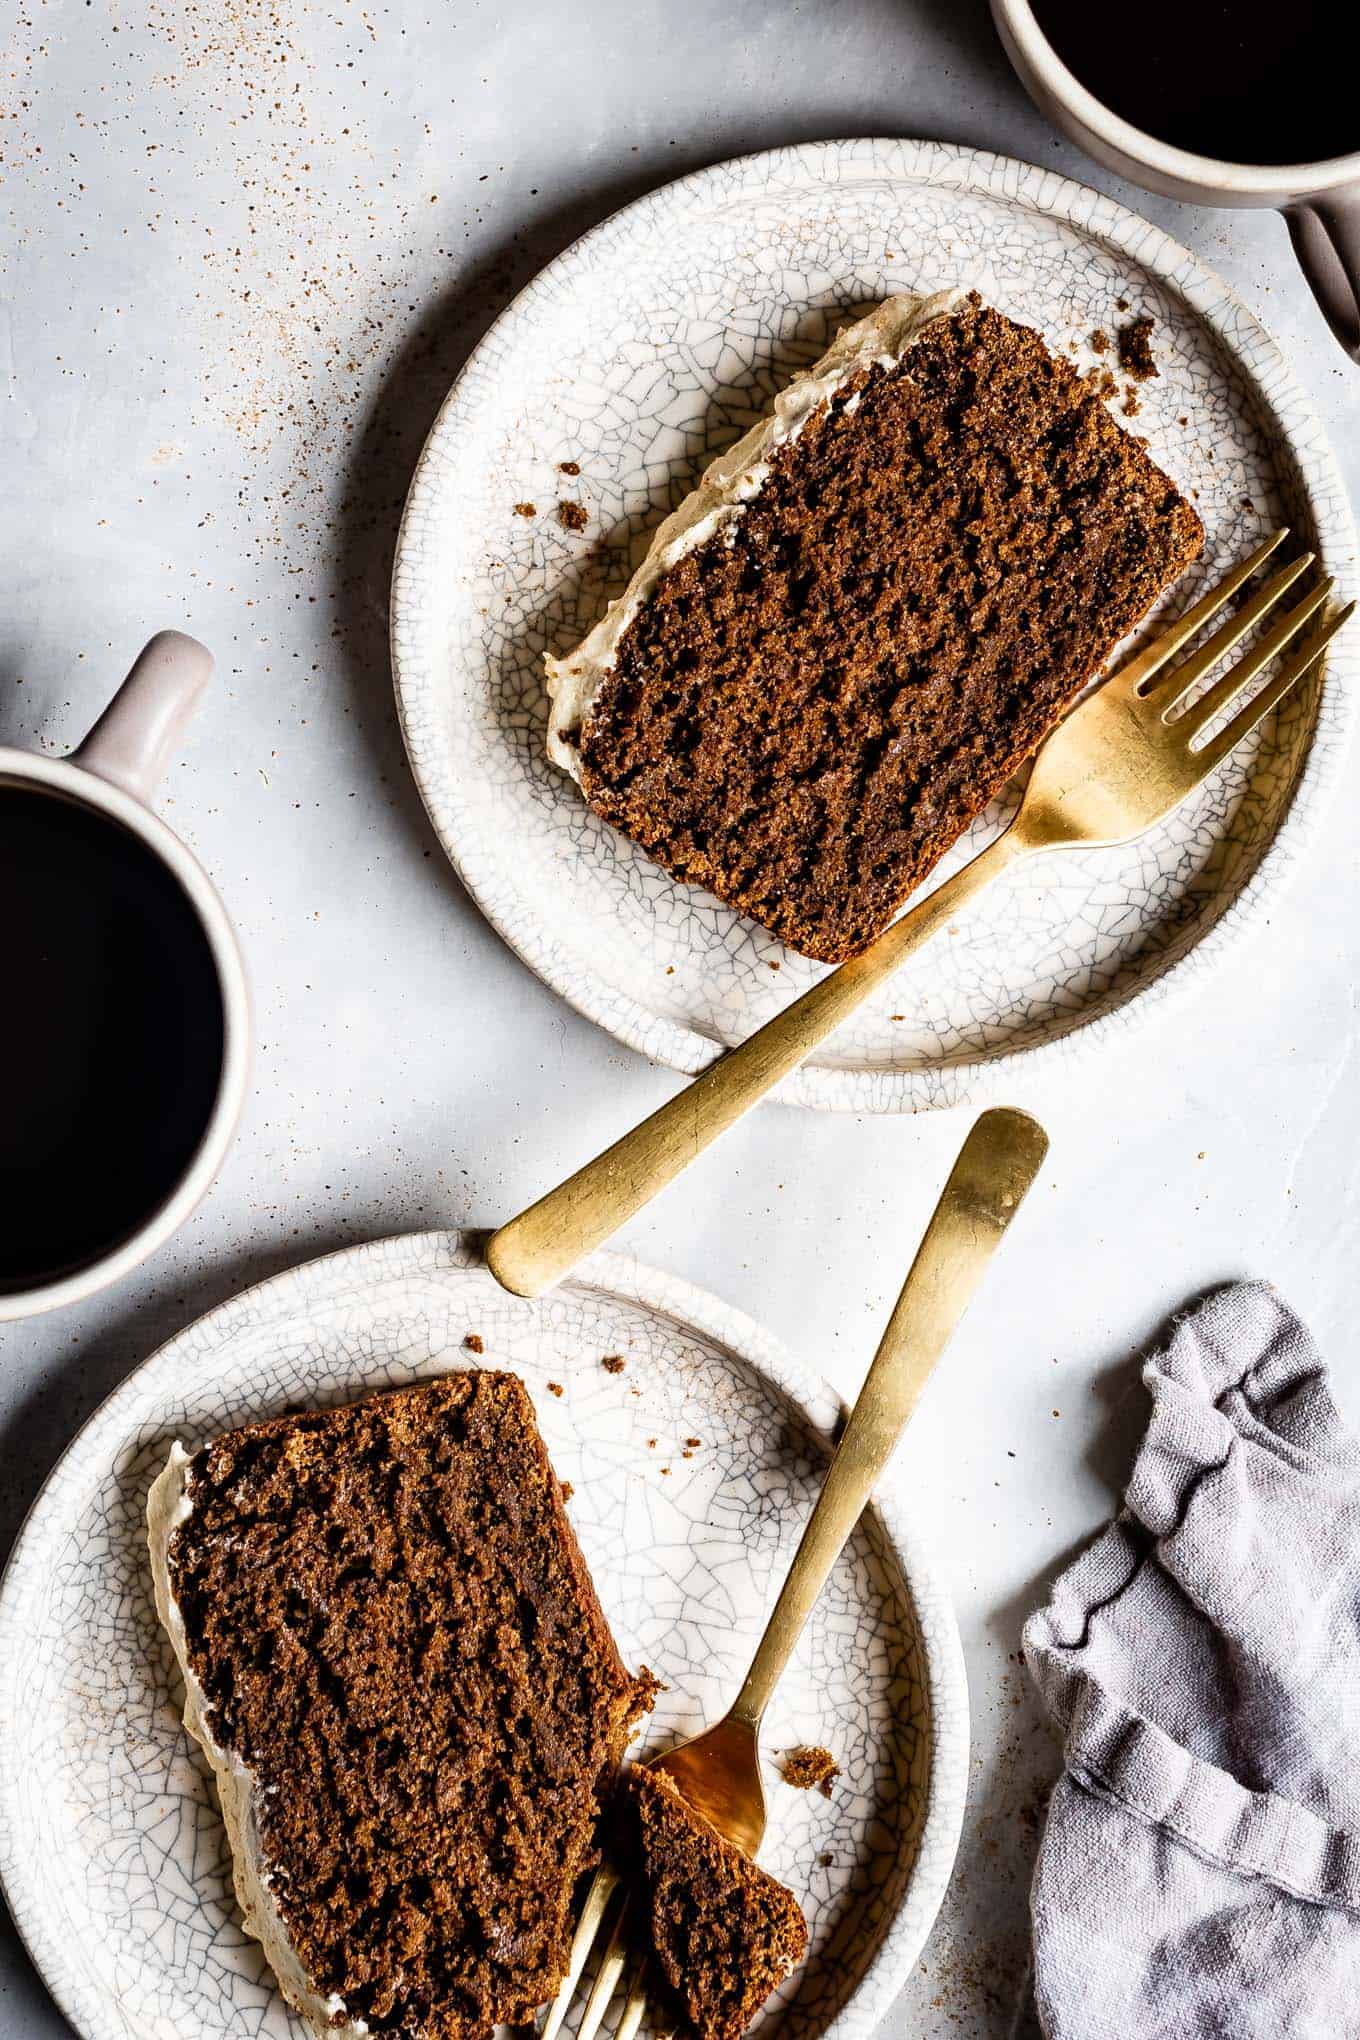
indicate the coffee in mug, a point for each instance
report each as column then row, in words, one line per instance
column 124, row 1018
column 110, row 1034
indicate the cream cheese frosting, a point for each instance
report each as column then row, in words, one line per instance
column 728, row 485
column 168, row 1505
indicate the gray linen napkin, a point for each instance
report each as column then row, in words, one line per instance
column 1200, row 1867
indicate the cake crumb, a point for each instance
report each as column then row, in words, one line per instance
column 567, row 1490
column 1131, row 406
column 1121, row 304
column 1100, row 340
column 1135, row 349
column 651, row 1444
column 693, row 1443
column 826, row 1859
column 555, row 1388
column 648, row 1687
column 572, row 516
column 808, row 1767
column 613, row 1363
column 526, row 509
column 568, row 467
column 475, row 1343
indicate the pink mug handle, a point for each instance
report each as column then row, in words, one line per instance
column 140, row 730
column 1326, row 237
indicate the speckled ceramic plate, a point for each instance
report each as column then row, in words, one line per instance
column 113, row 1857
column 638, row 354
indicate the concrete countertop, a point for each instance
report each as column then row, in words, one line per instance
column 245, row 248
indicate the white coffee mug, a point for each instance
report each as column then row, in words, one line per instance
column 1320, row 201
column 114, row 772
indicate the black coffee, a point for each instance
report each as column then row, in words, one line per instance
column 110, row 1035
column 1242, row 80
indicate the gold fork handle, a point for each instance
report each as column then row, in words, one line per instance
column 533, row 1251
column 996, row 1165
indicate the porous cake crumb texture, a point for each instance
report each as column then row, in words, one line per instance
column 394, row 1629
column 815, row 703
column 812, row 1766
column 723, row 1931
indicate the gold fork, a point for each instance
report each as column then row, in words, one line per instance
column 1119, row 762
column 719, row 1770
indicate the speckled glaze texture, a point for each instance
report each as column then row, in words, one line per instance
column 113, row 1855
column 642, row 351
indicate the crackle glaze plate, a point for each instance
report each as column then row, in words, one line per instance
column 636, row 356
column 114, row 1859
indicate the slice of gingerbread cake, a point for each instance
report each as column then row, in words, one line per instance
column 396, row 1663
column 722, row 1931
column 872, row 610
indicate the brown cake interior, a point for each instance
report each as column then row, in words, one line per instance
column 723, row 1931
column 394, row 1628
column 816, row 702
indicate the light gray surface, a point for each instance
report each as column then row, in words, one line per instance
column 245, row 248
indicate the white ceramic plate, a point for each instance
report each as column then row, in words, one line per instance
column 113, row 1857
column 639, row 353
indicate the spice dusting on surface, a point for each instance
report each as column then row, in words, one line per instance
column 813, row 1766
column 1135, row 349
column 572, row 516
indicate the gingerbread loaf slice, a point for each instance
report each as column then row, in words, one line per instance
column 398, row 1668
column 723, row 1932
column 869, row 614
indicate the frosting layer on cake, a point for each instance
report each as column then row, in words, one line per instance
column 167, row 1507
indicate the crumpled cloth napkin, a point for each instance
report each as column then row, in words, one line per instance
column 1199, row 1873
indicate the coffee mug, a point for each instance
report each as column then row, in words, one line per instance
column 114, row 935
column 1320, row 201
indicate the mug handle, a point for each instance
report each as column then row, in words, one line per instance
column 1326, row 237
column 140, row 730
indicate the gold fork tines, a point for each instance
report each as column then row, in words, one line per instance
column 603, row 1885
column 1128, row 754
column 1227, row 690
